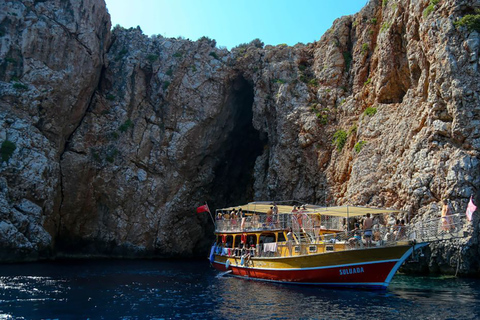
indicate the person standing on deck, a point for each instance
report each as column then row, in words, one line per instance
column 289, row 241
column 447, row 220
column 367, row 229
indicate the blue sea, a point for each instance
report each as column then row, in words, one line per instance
column 191, row 289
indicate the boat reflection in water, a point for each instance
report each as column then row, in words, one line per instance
column 313, row 245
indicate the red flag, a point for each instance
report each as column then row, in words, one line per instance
column 203, row 208
column 470, row 209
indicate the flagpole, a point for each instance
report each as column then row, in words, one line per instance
column 208, row 209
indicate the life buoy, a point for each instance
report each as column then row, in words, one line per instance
column 227, row 264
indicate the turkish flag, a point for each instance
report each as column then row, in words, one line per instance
column 203, row 208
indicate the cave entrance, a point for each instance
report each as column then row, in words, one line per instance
column 234, row 174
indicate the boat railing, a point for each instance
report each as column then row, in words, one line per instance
column 296, row 221
column 254, row 223
column 431, row 230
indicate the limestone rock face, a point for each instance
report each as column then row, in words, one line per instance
column 138, row 131
column 51, row 56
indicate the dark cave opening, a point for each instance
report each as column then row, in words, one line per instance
column 234, row 174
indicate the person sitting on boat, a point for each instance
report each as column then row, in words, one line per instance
column 357, row 236
column 367, row 228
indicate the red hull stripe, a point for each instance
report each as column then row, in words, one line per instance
column 372, row 273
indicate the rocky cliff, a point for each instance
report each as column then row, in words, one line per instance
column 112, row 138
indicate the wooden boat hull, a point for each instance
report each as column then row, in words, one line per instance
column 367, row 268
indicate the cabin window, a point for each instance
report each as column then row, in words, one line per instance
column 238, row 240
column 281, row 237
column 252, row 239
column 267, row 237
column 229, row 242
column 219, row 239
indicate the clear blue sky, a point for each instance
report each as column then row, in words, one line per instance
column 233, row 22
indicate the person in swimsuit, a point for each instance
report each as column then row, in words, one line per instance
column 367, row 228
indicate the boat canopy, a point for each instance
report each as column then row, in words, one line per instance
column 338, row 211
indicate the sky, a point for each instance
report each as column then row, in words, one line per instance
column 230, row 22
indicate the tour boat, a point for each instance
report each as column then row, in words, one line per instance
column 311, row 245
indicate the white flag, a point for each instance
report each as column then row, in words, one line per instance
column 470, row 209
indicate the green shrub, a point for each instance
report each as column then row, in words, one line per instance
column 369, row 80
column 470, row 21
column 214, row 55
column 353, row 129
column 152, row 58
column 169, row 72
column 10, row 60
column 323, row 117
column 95, row 155
column 313, row 82
column 430, row 8
column 210, row 41
column 110, row 97
column 385, row 26
column 113, row 135
column 194, row 68
column 165, row 85
column 177, row 54
column 111, row 155
column 373, row 21
column 121, row 54
column 365, row 48
column 370, row 111
column 339, row 139
column 282, row 81
column 358, row 146
column 384, row 3
column 19, row 86
column 7, row 150
column 127, row 124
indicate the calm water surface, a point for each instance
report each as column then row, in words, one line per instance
column 152, row 289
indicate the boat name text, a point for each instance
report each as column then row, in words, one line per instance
column 346, row 271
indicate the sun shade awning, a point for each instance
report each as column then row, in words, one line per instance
column 338, row 211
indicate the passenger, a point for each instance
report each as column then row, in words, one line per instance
column 401, row 229
column 255, row 221
column 357, row 236
column 269, row 217
column 234, row 218
column 289, row 241
column 396, row 228
column 367, row 228
column 275, row 208
column 241, row 214
column 447, row 221
column 219, row 216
